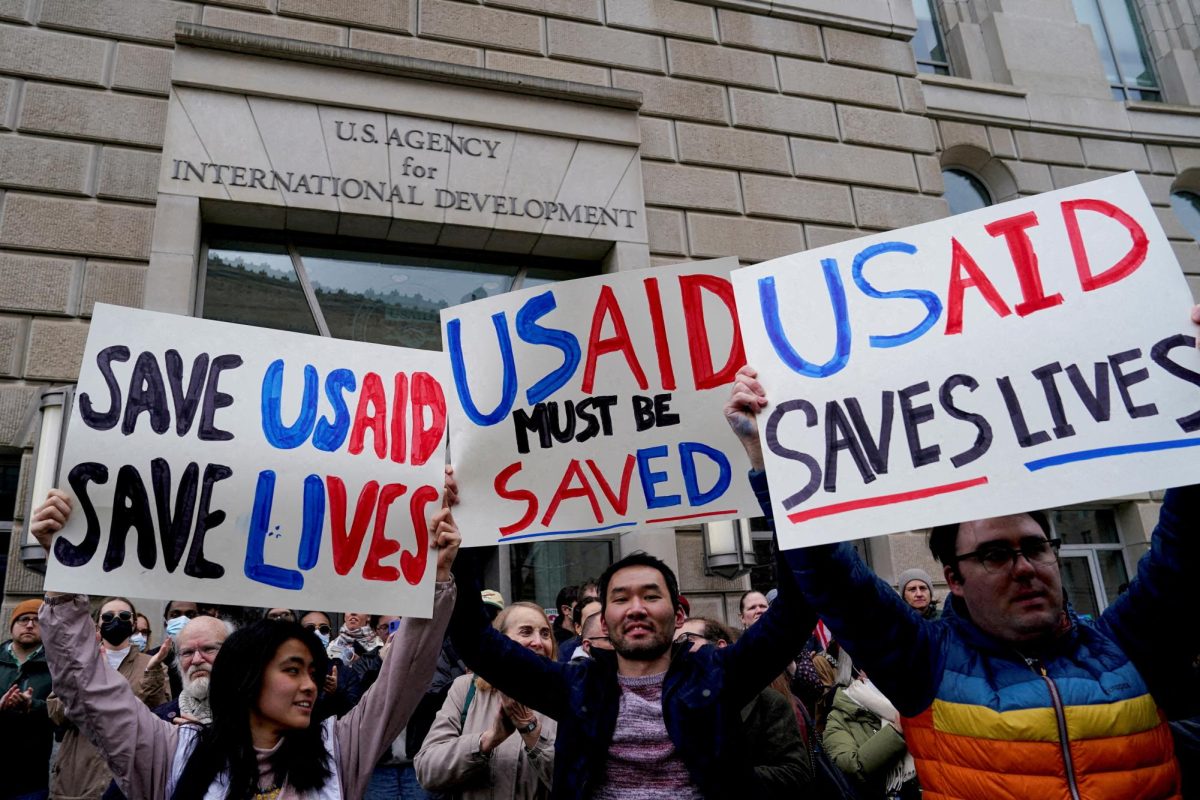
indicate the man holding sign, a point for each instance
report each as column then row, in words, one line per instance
column 1011, row 694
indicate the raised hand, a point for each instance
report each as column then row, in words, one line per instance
column 746, row 398
column 164, row 650
column 50, row 517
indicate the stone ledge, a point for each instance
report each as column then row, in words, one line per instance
column 874, row 16
column 403, row 66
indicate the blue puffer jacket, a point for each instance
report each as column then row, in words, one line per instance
column 703, row 692
column 987, row 720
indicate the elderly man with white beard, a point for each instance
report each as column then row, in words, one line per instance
column 197, row 646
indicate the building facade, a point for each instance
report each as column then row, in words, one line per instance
column 347, row 168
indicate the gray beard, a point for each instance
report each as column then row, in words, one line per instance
column 193, row 701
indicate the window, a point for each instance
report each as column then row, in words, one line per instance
column 927, row 42
column 1092, row 557
column 10, row 471
column 539, row 569
column 1123, row 52
column 363, row 291
column 1187, row 208
column 964, row 192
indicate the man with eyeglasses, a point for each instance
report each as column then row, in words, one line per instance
column 1010, row 694
column 26, row 734
column 196, row 648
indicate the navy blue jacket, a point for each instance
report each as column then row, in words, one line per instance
column 703, row 692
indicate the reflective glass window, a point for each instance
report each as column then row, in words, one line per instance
column 927, row 42
column 1187, row 209
column 1122, row 47
column 964, row 192
column 255, row 283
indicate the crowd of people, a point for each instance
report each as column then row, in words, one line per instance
column 838, row 684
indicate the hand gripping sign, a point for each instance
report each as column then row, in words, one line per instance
column 1024, row 356
column 219, row 462
column 595, row 405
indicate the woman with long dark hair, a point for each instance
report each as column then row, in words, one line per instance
column 263, row 743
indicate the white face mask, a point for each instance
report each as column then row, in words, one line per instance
column 138, row 640
column 174, row 626
column 324, row 637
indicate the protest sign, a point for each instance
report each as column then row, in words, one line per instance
column 595, row 405
column 239, row 465
column 1023, row 356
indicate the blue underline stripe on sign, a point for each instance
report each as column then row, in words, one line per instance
column 564, row 533
column 1105, row 452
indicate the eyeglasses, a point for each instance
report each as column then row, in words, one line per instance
column 208, row 652
column 691, row 638
column 285, row 616
column 143, row 631
column 322, row 628
column 595, row 638
column 26, row 619
column 109, row 616
column 175, row 612
column 997, row 558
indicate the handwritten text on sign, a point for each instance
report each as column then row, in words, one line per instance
column 223, row 462
column 1028, row 355
column 595, row 405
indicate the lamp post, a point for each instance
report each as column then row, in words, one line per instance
column 728, row 551
column 53, row 409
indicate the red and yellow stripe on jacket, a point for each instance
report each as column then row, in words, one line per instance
column 1120, row 750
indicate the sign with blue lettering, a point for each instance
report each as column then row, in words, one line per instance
column 231, row 464
column 594, row 405
column 1028, row 355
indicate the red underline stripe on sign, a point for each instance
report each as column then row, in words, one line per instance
column 885, row 500
column 692, row 516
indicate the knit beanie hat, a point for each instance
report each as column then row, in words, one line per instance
column 910, row 575
column 30, row 606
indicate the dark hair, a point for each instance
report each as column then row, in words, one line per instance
column 577, row 615
column 567, row 596
column 639, row 559
column 943, row 540
column 714, row 630
column 116, row 598
column 226, row 744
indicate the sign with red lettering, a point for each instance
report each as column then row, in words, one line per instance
column 595, row 405
column 1028, row 355
column 230, row 464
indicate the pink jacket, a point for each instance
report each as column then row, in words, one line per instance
column 140, row 748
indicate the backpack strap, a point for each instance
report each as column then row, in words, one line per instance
column 462, row 718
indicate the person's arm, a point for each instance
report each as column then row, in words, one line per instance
column 152, row 689
column 521, row 674
column 55, row 710
column 384, row 709
column 539, row 750
column 902, row 653
column 449, row 759
column 1146, row 620
column 138, row 746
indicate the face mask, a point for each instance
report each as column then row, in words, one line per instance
column 116, row 630
column 324, row 637
column 138, row 640
column 174, row 626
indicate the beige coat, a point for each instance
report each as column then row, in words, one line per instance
column 450, row 760
column 79, row 771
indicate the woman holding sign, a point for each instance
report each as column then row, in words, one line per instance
column 263, row 743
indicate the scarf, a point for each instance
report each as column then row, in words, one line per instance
column 867, row 695
column 195, row 708
column 348, row 637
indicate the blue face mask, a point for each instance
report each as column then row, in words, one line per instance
column 138, row 640
column 174, row 626
column 324, row 637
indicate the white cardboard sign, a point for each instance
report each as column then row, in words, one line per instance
column 594, row 405
column 239, row 465
column 1028, row 355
